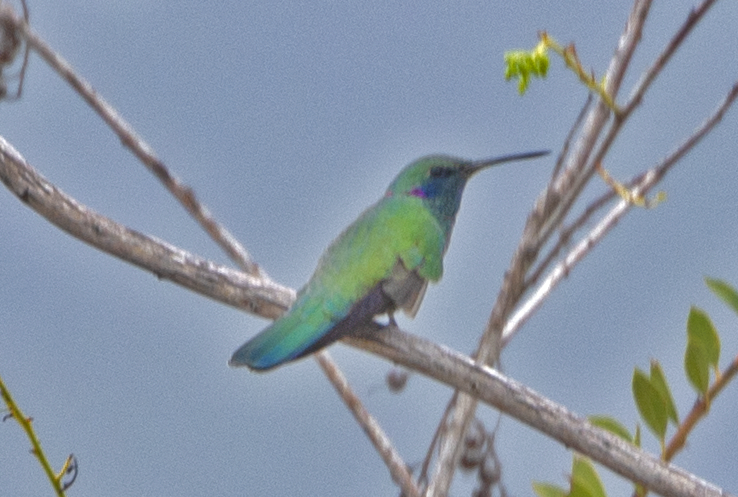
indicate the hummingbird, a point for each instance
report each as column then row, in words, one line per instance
column 380, row 263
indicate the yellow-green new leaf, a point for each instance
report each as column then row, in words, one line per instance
column 612, row 425
column 650, row 403
column 524, row 65
column 658, row 380
column 548, row 490
column 724, row 291
column 701, row 330
column 585, row 482
column 697, row 367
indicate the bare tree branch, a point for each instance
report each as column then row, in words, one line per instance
column 137, row 145
column 646, row 182
column 550, row 208
column 658, row 65
column 382, row 443
column 489, row 386
column 235, row 288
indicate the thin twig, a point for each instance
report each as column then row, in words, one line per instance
column 658, row 65
column 563, row 235
column 397, row 467
column 257, row 295
column 423, row 475
column 142, row 150
column 576, row 126
column 646, row 183
column 549, row 211
column 700, row 409
column 25, row 423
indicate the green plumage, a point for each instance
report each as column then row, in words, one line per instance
column 380, row 263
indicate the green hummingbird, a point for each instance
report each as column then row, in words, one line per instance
column 380, row 263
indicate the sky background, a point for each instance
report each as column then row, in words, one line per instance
column 288, row 120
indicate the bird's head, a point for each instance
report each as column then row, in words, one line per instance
column 439, row 180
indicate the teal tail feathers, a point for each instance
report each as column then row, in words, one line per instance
column 308, row 327
column 288, row 338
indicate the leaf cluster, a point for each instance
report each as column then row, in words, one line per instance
column 654, row 401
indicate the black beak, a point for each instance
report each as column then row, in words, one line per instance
column 485, row 163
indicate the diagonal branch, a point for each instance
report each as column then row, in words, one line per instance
column 142, row 150
column 646, row 182
column 550, row 209
column 694, row 17
column 235, row 288
column 524, row 404
column 397, row 467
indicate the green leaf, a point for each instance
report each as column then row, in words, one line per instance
column 585, row 482
column 701, row 330
column 724, row 291
column 612, row 425
column 523, row 65
column 637, row 438
column 658, row 380
column 548, row 490
column 697, row 367
column 651, row 405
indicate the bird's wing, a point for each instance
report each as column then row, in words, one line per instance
column 306, row 328
column 405, row 288
column 346, row 289
column 411, row 306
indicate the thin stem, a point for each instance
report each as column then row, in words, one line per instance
column 695, row 15
column 699, row 409
column 382, row 443
column 25, row 423
column 548, row 213
column 142, row 150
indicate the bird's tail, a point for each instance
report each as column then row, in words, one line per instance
column 311, row 324
column 288, row 338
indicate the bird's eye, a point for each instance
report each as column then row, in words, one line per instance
column 440, row 172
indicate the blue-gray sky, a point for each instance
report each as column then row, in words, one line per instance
column 288, row 119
